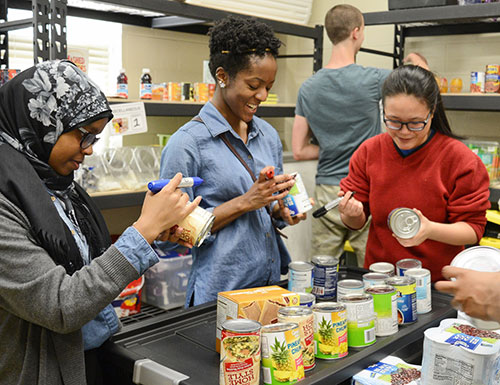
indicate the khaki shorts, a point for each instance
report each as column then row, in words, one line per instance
column 329, row 233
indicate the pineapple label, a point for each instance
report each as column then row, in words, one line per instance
column 281, row 354
column 330, row 330
column 240, row 353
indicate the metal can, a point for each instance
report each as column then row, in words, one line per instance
column 385, row 304
column 281, row 354
column 349, row 286
column 297, row 199
column 403, row 222
column 186, row 92
column 406, row 264
column 477, row 82
column 300, row 276
column 407, row 298
column 196, row 226
column 307, row 299
column 326, row 273
column 303, row 316
column 360, row 320
column 240, row 351
column 383, row 268
column 423, row 289
column 330, row 330
column 372, row 279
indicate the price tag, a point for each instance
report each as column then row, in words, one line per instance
column 128, row 119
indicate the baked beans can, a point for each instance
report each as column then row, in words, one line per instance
column 240, row 352
column 382, row 267
column 326, row 273
column 407, row 298
column 360, row 320
column 404, row 222
column 300, row 276
column 330, row 330
column 281, row 354
column 372, row 279
column 297, row 199
column 349, row 286
column 477, row 82
column 307, row 299
column 303, row 316
column 423, row 289
column 196, row 226
column 406, row 264
column 385, row 304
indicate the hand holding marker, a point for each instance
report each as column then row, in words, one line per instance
column 156, row 185
column 330, row 205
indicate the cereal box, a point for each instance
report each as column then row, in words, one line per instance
column 259, row 304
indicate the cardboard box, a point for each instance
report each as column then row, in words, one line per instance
column 258, row 304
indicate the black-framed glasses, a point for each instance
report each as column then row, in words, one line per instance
column 88, row 139
column 412, row 126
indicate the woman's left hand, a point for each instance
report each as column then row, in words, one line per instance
column 174, row 235
column 421, row 236
column 284, row 213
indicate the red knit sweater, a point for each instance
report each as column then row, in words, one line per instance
column 444, row 179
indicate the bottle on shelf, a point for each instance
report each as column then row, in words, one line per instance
column 146, row 85
column 122, row 85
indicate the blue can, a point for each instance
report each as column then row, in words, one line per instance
column 407, row 298
column 326, row 275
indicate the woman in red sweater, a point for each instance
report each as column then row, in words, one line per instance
column 417, row 163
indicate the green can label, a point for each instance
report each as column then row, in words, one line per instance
column 385, row 303
column 361, row 333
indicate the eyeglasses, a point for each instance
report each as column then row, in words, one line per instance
column 412, row 126
column 88, row 139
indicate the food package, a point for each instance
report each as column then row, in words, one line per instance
column 389, row 370
column 259, row 304
column 456, row 352
column 129, row 300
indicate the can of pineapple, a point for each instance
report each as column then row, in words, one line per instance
column 281, row 354
column 330, row 330
column 240, row 352
column 303, row 316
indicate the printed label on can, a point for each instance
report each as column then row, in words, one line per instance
column 423, row 288
column 385, row 304
column 281, row 356
column 325, row 281
column 361, row 333
column 297, row 199
column 300, row 280
column 407, row 304
column 330, row 334
column 196, row 226
column 477, row 82
column 240, row 358
column 306, row 328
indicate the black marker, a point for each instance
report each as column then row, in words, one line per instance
column 330, row 205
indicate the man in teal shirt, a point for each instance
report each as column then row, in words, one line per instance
column 338, row 107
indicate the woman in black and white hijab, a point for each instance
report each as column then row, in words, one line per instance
column 59, row 271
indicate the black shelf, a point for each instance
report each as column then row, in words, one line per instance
column 471, row 102
column 446, row 14
column 119, row 200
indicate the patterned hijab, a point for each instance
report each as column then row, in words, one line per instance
column 36, row 108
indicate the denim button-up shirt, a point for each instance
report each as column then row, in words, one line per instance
column 247, row 252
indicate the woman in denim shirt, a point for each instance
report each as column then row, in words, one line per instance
column 244, row 249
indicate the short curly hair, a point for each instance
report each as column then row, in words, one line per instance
column 233, row 40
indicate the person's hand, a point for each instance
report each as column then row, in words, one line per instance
column 422, row 235
column 476, row 293
column 349, row 206
column 161, row 211
column 174, row 235
column 261, row 192
column 284, row 213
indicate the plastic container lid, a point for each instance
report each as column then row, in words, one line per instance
column 479, row 258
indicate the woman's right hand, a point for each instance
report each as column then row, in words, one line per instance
column 351, row 210
column 261, row 192
column 161, row 211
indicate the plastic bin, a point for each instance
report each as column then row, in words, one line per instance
column 489, row 152
column 166, row 282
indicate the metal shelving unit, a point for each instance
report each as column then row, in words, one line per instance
column 438, row 21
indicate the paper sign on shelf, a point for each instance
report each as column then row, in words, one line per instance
column 128, row 119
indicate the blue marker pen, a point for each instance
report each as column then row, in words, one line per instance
column 157, row 185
